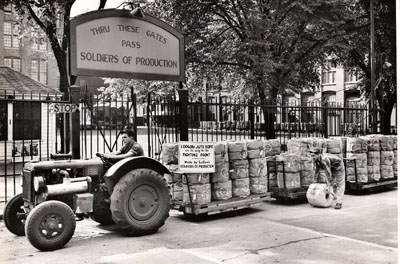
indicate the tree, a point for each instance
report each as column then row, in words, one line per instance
column 275, row 46
column 46, row 15
column 355, row 52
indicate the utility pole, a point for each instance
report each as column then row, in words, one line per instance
column 372, row 58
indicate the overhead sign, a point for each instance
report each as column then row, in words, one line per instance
column 63, row 108
column 114, row 43
column 196, row 157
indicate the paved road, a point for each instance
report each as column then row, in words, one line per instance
column 364, row 231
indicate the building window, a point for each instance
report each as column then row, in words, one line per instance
column 14, row 63
column 8, row 8
column 3, row 120
column 329, row 73
column 26, row 120
column 39, row 71
column 352, row 76
column 11, row 39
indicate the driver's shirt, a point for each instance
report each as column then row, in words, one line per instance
column 132, row 147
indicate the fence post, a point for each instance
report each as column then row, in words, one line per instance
column 251, row 117
column 183, row 114
column 75, row 124
column 325, row 117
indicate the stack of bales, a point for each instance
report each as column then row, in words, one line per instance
column 257, row 166
column 387, row 157
column 394, row 156
column 170, row 160
column 334, row 145
column 288, row 168
column 373, row 158
column 221, row 185
column 199, row 186
column 239, row 169
column 357, row 149
column 272, row 148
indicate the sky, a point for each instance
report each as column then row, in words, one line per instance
column 84, row 6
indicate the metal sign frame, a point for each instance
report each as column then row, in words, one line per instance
column 74, row 70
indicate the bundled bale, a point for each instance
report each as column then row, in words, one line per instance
column 387, row 158
column 343, row 144
column 395, row 162
column 240, row 187
column 238, row 169
column 317, row 145
column 356, row 145
column 237, row 151
column 307, row 170
column 221, row 191
column 291, row 162
column 360, row 160
column 374, row 173
column 373, row 158
column 221, row 173
column 196, row 178
column 176, row 189
column 200, row 194
column 174, row 180
column 334, row 146
column 386, row 143
column 255, row 149
column 170, row 153
column 373, row 142
column 295, row 145
column 259, row 185
column 258, row 167
column 292, row 180
column 272, row 147
column 221, row 152
column 387, row 172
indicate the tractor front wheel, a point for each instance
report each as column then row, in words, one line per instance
column 14, row 215
column 140, row 202
column 50, row 225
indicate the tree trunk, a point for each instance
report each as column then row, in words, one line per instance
column 387, row 114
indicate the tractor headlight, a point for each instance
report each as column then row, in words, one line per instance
column 38, row 183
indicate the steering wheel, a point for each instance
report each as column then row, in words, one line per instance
column 107, row 162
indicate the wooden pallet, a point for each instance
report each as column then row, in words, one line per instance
column 216, row 207
column 382, row 184
column 289, row 193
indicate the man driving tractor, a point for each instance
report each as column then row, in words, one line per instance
column 130, row 148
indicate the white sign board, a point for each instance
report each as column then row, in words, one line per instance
column 63, row 108
column 196, row 157
column 113, row 43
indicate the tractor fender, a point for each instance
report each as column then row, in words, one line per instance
column 122, row 167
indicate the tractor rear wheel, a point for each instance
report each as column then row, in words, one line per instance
column 14, row 215
column 140, row 202
column 50, row 225
column 101, row 206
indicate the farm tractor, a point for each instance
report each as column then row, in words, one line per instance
column 132, row 194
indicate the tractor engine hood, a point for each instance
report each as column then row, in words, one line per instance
column 62, row 164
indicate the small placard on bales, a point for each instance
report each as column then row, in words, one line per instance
column 196, row 157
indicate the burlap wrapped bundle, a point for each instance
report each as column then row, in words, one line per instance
column 237, row 150
column 386, row 143
column 387, row 158
column 221, row 152
column 291, row 162
column 362, row 174
column 292, row 180
column 394, row 142
column 387, row 172
column 169, row 153
column 357, row 145
column 177, row 191
column 361, row 160
column 201, row 194
column 238, row 169
column 307, row 163
column 221, row 191
column 306, row 178
column 240, row 187
column 196, row 178
column 255, row 149
column 374, row 173
column 334, row 145
column 344, row 141
column 258, row 185
column 221, row 172
column 373, row 158
column 395, row 161
column 258, row 167
column 272, row 147
column 295, row 145
column 373, row 142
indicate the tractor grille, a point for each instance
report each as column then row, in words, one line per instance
column 27, row 185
